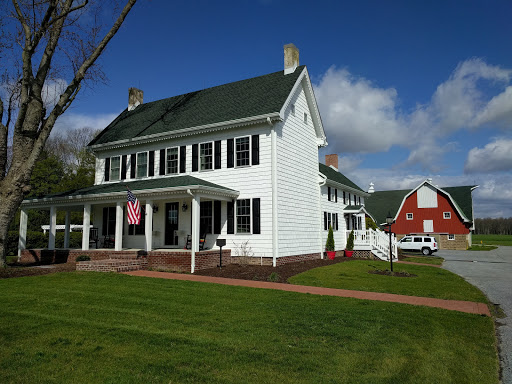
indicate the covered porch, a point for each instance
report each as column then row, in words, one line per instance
column 173, row 210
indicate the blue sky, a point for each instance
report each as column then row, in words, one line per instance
column 407, row 89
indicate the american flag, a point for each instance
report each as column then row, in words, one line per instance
column 133, row 209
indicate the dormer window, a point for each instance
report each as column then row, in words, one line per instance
column 172, row 161
column 242, row 151
column 206, row 156
column 115, row 168
column 142, row 164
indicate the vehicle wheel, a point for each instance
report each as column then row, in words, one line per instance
column 426, row 251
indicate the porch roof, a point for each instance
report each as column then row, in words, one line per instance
column 162, row 185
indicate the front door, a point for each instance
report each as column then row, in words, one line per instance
column 171, row 223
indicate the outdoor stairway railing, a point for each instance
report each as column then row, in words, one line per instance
column 377, row 240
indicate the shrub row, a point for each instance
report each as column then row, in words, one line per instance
column 36, row 240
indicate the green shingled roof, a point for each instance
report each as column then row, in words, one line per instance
column 247, row 98
column 336, row 176
column 134, row 186
column 381, row 202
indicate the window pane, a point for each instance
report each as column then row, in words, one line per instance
column 206, row 216
column 142, row 164
column 115, row 165
column 206, row 156
column 172, row 160
column 243, row 216
column 242, row 151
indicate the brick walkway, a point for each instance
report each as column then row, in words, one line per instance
column 453, row 305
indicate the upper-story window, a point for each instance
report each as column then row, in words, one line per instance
column 292, row 108
column 349, row 199
column 172, row 161
column 243, row 149
column 115, row 168
column 305, row 117
column 206, row 156
column 359, row 200
column 409, row 216
column 447, row 215
column 344, row 198
column 142, row 164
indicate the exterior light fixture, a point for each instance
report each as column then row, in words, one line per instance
column 184, row 207
column 155, row 208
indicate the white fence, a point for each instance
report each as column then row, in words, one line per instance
column 377, row 240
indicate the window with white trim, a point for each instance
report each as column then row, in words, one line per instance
column 333, row 194
column 243, row 216
column 206, row 156
column 409, row 216
column 292, row 108
column 305, row 118
column 329, row 220
column 142, row 164
column 172, row 161
column 451, row 237
column 243, row 151
column 115, row 168
column 447, row 215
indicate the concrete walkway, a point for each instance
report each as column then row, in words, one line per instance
column 453, row 305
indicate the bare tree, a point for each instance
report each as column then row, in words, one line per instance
column 49, row 48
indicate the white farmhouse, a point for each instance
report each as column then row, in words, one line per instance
column 237, row 162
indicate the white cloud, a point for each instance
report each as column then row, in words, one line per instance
column 360, row 117
column 495, row 156
column 69, row 121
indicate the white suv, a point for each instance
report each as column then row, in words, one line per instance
column 425, row 244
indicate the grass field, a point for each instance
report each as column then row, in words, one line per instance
column 424, row 260
column 430, row 282
column 98, row 328
column 493, row 240
column 482, row 247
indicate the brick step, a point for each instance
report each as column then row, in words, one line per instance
column 112, row 265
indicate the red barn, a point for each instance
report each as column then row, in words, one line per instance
column 444, row 213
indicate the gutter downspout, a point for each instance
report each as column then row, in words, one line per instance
column 275, row 240
column 324, row 181
column 192, row 247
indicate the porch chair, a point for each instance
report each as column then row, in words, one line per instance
column 109, row 241
column 93, row 236
column 202, row 242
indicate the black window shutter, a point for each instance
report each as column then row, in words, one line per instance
column 195, row 157
column 183, row 159
column 256, row 221
column 123, row 167
column 151, row 171
column 133, row 165
column 217, row 223
column 217, row 154
column 105, row 221
column 349, row 198
column 231, row 217
column 162, row 162
column 336, row 221
column 255, row 149
column 325, row 221
column 107, row 169
column 329, row 193
column 231, row 153
column 335, row 195
column 344, row 198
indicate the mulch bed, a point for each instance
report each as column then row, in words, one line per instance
column 20, row 270
column 279, row 274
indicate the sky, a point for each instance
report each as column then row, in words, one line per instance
column 407, row 90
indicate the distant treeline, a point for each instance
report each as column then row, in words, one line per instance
column 488, row 226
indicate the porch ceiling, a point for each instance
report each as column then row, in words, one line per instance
column 154, row 188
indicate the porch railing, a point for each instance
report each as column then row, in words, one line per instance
column 376, row 239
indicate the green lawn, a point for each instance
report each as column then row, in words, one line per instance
column 493, row 239
column 430, row 282
column 99, row 328
column 424, row 260
column 482, row 247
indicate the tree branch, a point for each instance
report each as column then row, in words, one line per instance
column 23, row 21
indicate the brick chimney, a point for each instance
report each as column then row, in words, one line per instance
column 331, row 160
column 291, row 58
column 135, row 98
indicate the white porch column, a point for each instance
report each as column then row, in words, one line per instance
column 22, row 244
column 66, row 229
column 196, row 206
column 53, row 225
column 119, row 227
column 86, row 227
column 149, row 225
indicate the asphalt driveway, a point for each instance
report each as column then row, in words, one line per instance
column 491, row 271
